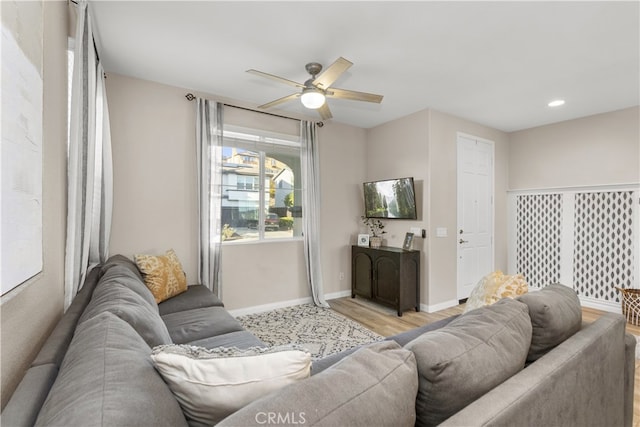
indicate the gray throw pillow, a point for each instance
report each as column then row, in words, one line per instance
column 375, row 386
column 555, row 313
column 471, row 355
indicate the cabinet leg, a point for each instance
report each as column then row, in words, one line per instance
column 417, row 309
column 399, row 313
column 353, row 295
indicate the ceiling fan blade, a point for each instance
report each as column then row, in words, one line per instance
column 353, row 95
column 276, row 78
column 325, row 112
column 279, row 101
column 331, row 74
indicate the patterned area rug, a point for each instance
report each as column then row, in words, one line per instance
column 321, row 331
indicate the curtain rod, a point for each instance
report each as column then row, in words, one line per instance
column 191, row 97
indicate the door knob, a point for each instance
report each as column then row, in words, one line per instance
column 463, row 241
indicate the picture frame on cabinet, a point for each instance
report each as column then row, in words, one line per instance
column 408, row 241
column 363, row 240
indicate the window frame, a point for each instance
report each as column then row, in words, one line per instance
column 259, row 142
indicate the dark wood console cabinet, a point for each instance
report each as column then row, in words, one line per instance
column 390, row 276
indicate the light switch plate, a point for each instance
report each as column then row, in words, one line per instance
column 417, row 231
column 441, row 232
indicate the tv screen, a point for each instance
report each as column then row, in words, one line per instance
column 390, row 199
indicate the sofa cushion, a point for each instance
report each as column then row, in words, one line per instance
column 163, row 274
column 375, row 386
column 239, row 339
column 125, row 303
column 200, row 323
column 555, row 313
column 212, row 384
column 495, row 286
column 107, row 379
column 402, row 338
column 471, row 355
column 124, row 276
column 196, row 296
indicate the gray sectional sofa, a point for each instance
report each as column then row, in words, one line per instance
column 520, row 362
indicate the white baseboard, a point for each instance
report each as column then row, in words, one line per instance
column 336, row 295
column 268, row 307
column 282, row 304
column 437, row 307
column 610, row 306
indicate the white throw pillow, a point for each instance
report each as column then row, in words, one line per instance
column 211, row 384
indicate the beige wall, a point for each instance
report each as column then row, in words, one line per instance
column 594, row 150
column 423, row 145
column 29, row 312
column 396, row 149
column 342, row 171
column 154, row 170
column 443, row 200
column 153, row 139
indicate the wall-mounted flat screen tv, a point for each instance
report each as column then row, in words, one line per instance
column 390, row 199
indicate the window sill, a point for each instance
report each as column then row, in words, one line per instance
column 261, row 242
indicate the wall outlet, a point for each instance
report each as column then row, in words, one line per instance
column 341, row 275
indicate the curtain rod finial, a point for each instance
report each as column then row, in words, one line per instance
column 190, row 96
column 320, row 124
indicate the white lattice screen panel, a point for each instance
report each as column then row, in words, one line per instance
column 538, row 235
column 603, row 252
column 587, row 238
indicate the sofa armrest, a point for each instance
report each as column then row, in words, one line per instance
column 25, row 403
column 55, row 347
column 630, row 343
column 559, row 388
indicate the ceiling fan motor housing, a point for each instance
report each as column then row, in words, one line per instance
column 313, row 68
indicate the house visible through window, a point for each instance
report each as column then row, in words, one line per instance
column 260, row 186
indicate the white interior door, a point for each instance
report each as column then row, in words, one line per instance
column 474, row 235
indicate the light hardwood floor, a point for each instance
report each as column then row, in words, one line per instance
column 385, row 321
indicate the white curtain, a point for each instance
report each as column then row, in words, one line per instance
column 209, row 158
column 311, row 209
column 89, row 166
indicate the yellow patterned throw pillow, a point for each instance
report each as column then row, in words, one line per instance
column 162, row 274
column 495, row 286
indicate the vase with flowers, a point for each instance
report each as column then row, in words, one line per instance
column 376, row 230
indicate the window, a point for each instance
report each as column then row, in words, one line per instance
column 260, row 186
column 249, row 182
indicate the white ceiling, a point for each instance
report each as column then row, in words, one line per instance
column 495, row 63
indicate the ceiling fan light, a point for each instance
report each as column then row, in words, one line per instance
column 312, row 98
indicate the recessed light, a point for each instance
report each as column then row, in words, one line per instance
column 556, row 103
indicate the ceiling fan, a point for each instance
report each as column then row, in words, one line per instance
column 318, row 88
